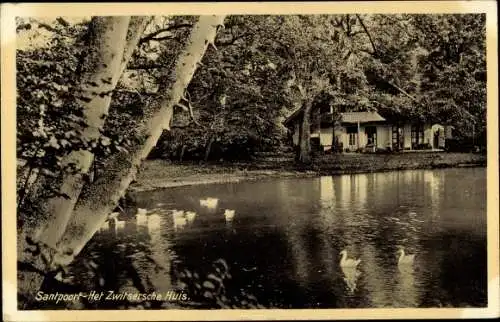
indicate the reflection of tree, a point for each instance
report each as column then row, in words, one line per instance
column 345, row 191
column 327, row 193
column 327, row 223
column 360, row 190
column 376, row 278
column 433, row 191
column 299, row 197
column 160, row 253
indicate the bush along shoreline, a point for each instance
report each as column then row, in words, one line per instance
column 157, row 174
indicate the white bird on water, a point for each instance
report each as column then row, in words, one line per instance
column 209, row 202
column 229, row 215
column 180, row 222
column 177, row 214
column 190, row 215
column 348, row 262
column 405, row 259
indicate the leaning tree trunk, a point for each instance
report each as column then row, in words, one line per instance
column 304, row 155
column 111, row 43
column 100, row 197
column 113, row 39
column 106, row 40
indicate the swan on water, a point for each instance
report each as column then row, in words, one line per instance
column 405, row 259
column 348, row 262
column 177, row 213
column 190, row 215
column 351, row 275
column 229, row 215
column 180, row 222
column 209, row 202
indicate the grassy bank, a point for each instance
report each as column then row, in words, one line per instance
column 164, row 174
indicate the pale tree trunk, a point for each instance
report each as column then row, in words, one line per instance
column 110, row 47
column 113, row 40
column 100, row 197
column 305, row 135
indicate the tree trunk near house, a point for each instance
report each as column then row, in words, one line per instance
column 99, row 198
column 208, row 148
column 304, row 155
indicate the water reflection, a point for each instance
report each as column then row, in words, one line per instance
column 284, row 246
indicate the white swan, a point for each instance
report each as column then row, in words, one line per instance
column 177, row 214
column 405, row 259
column 229, row 214
column 351, row 274
column 180, row 222
column 209, row 202
column 190, row 215
column 345, row 262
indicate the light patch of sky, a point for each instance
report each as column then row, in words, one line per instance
column 37, row 36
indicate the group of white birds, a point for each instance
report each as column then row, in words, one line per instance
column 349, row 266
column 211, row 203
column 180, row 218
column 403, row 259
column 142, row 218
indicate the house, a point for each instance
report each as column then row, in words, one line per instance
column 367, row 132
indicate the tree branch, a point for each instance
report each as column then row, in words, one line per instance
column 368, row 34
column 152, row 36
column 403, row 91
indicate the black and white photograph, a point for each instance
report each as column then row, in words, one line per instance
column 252, row 161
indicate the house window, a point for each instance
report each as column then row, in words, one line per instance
column 397, row 138
column 417, row 135
column 371, row 133
column 352, row 138
column 352, row 132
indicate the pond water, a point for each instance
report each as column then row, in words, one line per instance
column 283, row 245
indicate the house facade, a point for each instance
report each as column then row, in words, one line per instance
column 368, row 132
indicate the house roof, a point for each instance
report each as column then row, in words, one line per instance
column 361, row 117
column 347, row 117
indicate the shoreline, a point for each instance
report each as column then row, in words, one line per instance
column 161, row 174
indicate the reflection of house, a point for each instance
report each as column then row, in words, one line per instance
column 368, row 131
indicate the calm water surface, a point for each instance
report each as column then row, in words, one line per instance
column 284, row 243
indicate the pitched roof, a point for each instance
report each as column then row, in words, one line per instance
column 347, row 117
column 361, row 117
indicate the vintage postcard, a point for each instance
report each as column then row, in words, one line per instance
column 219, row 161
